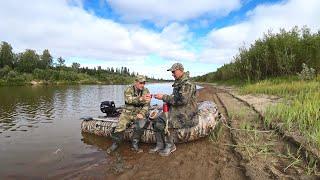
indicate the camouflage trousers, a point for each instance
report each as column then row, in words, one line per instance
column 125, row 120
column 159, row 124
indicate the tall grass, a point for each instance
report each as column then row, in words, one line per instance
column 300, row 111
column 282, row 88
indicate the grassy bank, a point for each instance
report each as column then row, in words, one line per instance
column 300, row 109
column 12, row 77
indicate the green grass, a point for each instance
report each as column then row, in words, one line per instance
column 300, row 109
column 299, row 113
column 281, row 87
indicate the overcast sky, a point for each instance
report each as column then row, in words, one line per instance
column 148, row 36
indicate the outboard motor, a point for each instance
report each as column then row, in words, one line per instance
column 109, row 108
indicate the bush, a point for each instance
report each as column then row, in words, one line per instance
column 307, row 73
column 68, row 75
column 13, row 78
column 4, row 71
column 43, row 74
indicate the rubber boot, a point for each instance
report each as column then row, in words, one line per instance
column 135, row 146
column 159, row 143
column 170, row 147
column 116, row 140
column 137, row 133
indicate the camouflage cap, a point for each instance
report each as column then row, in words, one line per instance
column 176, row 66
column 141, row 78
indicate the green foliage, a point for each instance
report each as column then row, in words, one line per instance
column 45, row 60
column 28, row 61
column 299, row 109
column 75, row 66
column 22, row 68
column 4, row 71
column 274, row 55
column 300, row 113
column 14, row 78
column 307, row 73
column 41, row 74
column 61, row 62
column 6, row 55
column 280, row 87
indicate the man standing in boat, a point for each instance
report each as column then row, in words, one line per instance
column 137, row 103
column 182, row 108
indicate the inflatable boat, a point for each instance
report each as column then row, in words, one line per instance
column 207, row 117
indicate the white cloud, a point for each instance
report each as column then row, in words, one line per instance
column 68, row 31
column 164, row 11
column 222, row 44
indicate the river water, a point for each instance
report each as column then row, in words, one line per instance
column 40, row 132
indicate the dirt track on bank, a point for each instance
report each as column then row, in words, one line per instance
column 243, row 150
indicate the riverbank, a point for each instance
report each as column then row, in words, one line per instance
column 241, row 149
column 290, row 107
column 28, row 80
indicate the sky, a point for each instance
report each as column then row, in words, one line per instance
column 148, row 36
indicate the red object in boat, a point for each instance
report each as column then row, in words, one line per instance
column 165, row 107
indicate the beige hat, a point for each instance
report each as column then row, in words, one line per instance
column 176, row 66
column 141, row 78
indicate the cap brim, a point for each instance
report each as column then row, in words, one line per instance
column 169, row 69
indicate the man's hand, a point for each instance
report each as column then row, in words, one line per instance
column 139, row 116
column 147, row 97
column 158, row 96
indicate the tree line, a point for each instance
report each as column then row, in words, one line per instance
column 274, row 55
column 21, row 68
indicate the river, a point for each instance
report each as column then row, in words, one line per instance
column 40, row 132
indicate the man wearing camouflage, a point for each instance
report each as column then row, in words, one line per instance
column 137, row 103
column 182, row 108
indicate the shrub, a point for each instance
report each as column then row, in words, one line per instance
column 4, row 71
column 307, row 73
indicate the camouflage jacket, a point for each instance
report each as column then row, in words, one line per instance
column 182, row 103
column 133, row 101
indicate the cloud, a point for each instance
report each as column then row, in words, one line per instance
column 222, row 44
column 67, row 30
column 165, row 11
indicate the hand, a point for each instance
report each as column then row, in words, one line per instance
column 158, row 96
column 139, row 116
column 147, row 97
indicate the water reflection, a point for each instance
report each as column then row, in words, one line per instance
column 22, row 107
column 40, row 126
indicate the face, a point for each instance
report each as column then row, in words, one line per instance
column 177, row 73
column 140, row 85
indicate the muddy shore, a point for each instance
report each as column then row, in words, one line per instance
column 254, row 154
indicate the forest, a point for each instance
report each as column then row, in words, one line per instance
column 282, row 54
column 28, row 66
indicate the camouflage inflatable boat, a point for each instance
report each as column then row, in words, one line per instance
column 207, row 116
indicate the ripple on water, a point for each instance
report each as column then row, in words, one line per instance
column 24, row 109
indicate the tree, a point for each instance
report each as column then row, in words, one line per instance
column 61, row 62
column 75, row 65
column 45, row 60
column 28, row 61
column 6, row 55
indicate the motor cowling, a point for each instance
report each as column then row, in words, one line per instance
column 109, row 108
